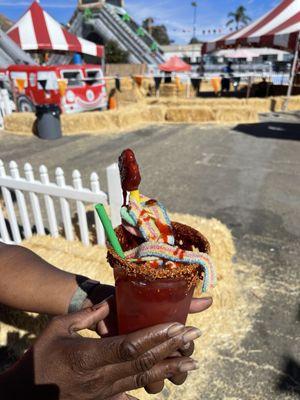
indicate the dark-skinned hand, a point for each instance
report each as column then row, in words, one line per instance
column 108, row 327
column 98, row 369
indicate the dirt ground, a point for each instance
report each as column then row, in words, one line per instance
column 247, row 176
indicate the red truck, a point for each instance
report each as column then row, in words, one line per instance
column 74, row 88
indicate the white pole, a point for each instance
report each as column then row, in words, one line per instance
column 292, row 77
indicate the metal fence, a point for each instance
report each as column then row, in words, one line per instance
column 29, row 205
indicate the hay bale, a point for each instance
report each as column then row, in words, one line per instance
column 187, row 114
column 260, row 105
column 235, row 114
column 19, row 123
column 168, row 89
column 294, row 103
column 152, row 114
column 129, row 116
column 88, row 122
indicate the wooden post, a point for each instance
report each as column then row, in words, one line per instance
column 95, row 187
column 64, row 205
column 49, row 204
column 249, row 87
column 292, row 77
column 10, row 208
column 82, row 220
column 35, row 203
column 21, row 201
column 3, row 229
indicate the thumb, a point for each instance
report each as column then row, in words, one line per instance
column 86, row 318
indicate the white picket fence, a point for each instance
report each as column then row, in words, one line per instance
column 22, row 204
column 5, row 106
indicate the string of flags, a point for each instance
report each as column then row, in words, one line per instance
column 211, row 31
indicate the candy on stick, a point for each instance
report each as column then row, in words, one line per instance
column 130, row 175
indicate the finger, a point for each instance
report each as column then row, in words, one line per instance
column 179, row 379
column 122, row 396
column 199, row 305
column 84, row 319
column 154, row 388
column 121, row 349
column 158, row 353
column 108, row 326
column 159, row 372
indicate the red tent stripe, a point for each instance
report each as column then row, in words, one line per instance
column 274, row 26
column 72, row 41
column 15, row 36
column 100, row 51
column 48, row 34
column 289, row 22
column 273, row 14
column 40, row 29
column 293, row 40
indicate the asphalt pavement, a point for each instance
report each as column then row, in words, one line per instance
column 248, row 176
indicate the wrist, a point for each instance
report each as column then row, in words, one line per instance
column 82, row 296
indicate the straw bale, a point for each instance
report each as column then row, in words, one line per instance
column 260, row 105
column 190, row 114
column 87, row 122
column 235, row 114
column 129, row 116
column 168, row 89
column 223, row 326
column 294, row 104
column 19, row 123
column 154, row 114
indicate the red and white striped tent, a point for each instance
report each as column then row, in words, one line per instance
column 37, row 30
column 279, row 28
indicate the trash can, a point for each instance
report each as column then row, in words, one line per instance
column 48, row 124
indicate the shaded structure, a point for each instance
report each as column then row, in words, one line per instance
column 175, row 64
column 279, row 28
column 36, row 30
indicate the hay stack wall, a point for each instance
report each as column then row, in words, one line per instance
column 136, row 111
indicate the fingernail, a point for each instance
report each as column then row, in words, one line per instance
column 191, row 335
column 186, row 346
column 189, row 366
column 175, row 330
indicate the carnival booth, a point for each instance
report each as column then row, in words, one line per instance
column 37, row 31
column 279, row 29
column 72, row 88
column 175, row 64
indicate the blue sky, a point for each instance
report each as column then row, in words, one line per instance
column 177, row 15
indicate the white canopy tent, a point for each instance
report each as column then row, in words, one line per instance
column 279, row 28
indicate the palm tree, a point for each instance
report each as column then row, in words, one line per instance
column 239, row 18
column 148, row 25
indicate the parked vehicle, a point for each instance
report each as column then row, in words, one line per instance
column 74, row 88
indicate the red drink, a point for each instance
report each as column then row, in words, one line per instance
column 147, row 296
column 142, row 303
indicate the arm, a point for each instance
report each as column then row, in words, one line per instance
column 30, row 283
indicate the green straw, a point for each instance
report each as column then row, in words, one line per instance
column 109, row 230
